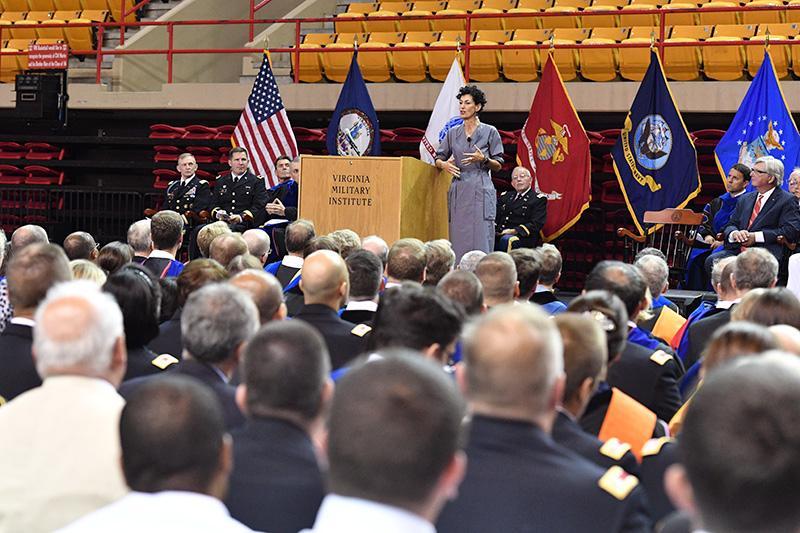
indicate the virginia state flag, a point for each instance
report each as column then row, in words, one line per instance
column 762, row 126
column 553, row 145
column 654, row 158
column 354, row 130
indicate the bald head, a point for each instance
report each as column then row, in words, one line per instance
column 324, row 279
column 26, row 235
column 227, row 246
column 257, row 243
column 80, row 245
column 514, row 364
column 266, row 292
column 498, row 275
column 377, row 246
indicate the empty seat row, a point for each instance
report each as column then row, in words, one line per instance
column 66, row 14
column 115, row 7
column 33, row 150
column 192, row 131
column 30, row 175
column 77, row 33
column 435, row 6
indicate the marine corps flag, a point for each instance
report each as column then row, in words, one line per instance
column 654, row 158
column 553, row 145
column 353, row 130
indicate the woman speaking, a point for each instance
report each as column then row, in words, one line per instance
column 470, row 152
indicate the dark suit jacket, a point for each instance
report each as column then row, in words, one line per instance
column 276, row 484
column 652, row 470
column 700, row 334
column 526, row 215
column 140, row 363
column 518, row 480
column 343, row 344
column 779, row 215
column 359, row 317
column 570, row 435
column 652, row 384
column 169, row 338
column 17, row 369
column 288, row 193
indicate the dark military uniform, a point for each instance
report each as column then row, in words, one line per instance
column 657, row 456
column 524, row 213
column 194, row 195
column 246, row 197
column 345, row 340
column 612, row 452
column 518, row 479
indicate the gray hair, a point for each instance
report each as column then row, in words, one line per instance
column 773, row 167
column 755, row 268
column 795, row 174
column 139, row 235
column 91, row 346
column 257, row 242
column 719, row 266
column 216, row 319
column 470, row 260
column 655, row 272
column 551, row 263
column 296, row 159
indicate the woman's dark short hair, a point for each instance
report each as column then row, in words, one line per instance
column 477, row 95
column 139, row 297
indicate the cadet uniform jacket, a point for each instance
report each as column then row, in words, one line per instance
column 195, row 196
column 247, row 197
column 525, row 214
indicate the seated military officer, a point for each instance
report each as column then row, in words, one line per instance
column 239, row 196
column 520, row 214
column 189, row 193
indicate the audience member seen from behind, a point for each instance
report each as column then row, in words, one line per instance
column 464, row 288
column 769, row 307
column 80, row 245
column 85, row 269
column 440, row 259
column 406, row 262
column 265, row 290
column 366, row 282
column 498, row 275
column 139, row 240
column 528, row 267
column 114, row 256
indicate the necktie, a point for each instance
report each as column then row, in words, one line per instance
column 756, row 210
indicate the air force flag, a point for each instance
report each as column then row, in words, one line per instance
column 354, row 130
column 445, row 114
column 762, row 126
column 654, row 158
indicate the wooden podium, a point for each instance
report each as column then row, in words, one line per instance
column 393, row 197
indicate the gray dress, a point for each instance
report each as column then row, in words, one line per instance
column 472, row 200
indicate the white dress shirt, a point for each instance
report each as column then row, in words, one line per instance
column 340, row 514
column 167, row 511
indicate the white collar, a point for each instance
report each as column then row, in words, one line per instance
column 726, row 304
column 523, row 193
column 354, row 515
column 361, row 305
column 542, row 288
column 22, row 321
column 738, row 194
column 292, row 261
column 162, row 254
column 765, row 196
column 184, row 181
column 390, row 284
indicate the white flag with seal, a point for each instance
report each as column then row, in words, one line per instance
column 445, row 114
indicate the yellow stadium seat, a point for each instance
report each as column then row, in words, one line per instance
column 571, row 34
column 609, row 20
column 484, row 65
column 539, row 5
column 425, row 37
column 9, row 65
column 429, row 5
column 520, row 65
column 41, row 5
column 39, row 16
column 388, row 37
column 723, row 63
column 497, row 36
column 465, row 5
column 691, row 32
column 14, row 5
column 645, row 32
column 319, row 38
column 599, row 64
column 611, row 3
column 449, row 24
column 350, row 38
column 116, row 14
column 336, row 64
column 759, row 17
column 779, row 53
column 414, row 25
column 375, row 61
column 440, row 61
column 397, row 7
column 19, row 44
column 5, row 33
column 344, row 23
column 642, row 19
column 728, row 17
column 409, row 65
column 633, row 62
column 75, row 5
column 310, row 69
column 487, row 23
column 454, row 35
column 374, row 24
column 79, row 38
column 518, row 23
column 535, row 35
column 561, row 22
column 682, row 63
column 566, row 60
column 740, row 31
column 502, row 5
column 44, row 32
column 789, row 29
column 49, row 41
column 95, row 15
column 580, row 4
column 24, row 29
column 13, row 15
column 793, row 15
column 361, row 8
column 682, row 19
column 68, row 15
column 653, row 3
column 615, row 34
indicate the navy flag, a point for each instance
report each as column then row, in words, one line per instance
column 354, row 130
column 654, row 158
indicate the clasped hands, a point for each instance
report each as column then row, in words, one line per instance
column 230, row 219
column 743, row 237
column 276, row 208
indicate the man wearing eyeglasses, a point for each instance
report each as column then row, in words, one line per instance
column 761, row 215
column 520, row 214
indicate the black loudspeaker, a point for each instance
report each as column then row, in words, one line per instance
column 42, row 95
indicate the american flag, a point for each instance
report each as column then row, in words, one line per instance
column 264, row 128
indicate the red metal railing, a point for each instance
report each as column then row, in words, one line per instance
column 170, row 52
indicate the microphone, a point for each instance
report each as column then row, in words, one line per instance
column 469, row 139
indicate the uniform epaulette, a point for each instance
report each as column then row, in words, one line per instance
column 614, row 448
column 618, row 482
column 660, row 357
column 2, row 400
column 163, row 361
column 360, row 330
column 503, row 193
column 653, row 446
column 203, row 182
